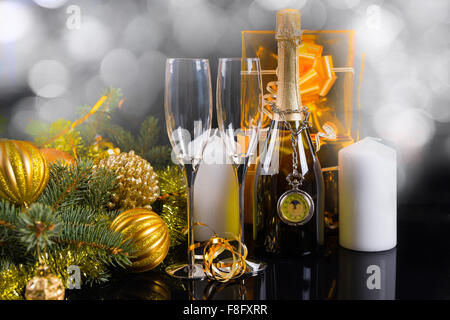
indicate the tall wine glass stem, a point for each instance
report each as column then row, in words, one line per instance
column 241, row 171
column 190, row 173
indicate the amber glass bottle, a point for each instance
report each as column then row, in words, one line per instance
column 288, row 217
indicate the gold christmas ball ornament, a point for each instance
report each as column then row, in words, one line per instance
column 24, row 172
column 138, row 183
column 149, row 235
column 44, row 286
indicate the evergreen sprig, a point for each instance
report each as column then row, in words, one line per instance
column 71, row 221
column 38, row 226
column 106, row 245
column 79, row 184
column 144, row 143
column 79, row 195
column 10, row 245
column 8, row 217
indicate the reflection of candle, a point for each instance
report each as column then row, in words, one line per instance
column 367, row 275
column 367, row 196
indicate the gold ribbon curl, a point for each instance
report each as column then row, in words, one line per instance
column 215, row 263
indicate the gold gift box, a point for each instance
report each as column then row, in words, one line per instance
column 328, row 93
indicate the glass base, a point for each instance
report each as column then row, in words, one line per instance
column 254, row 267
column 185, row 271
column 195, row 272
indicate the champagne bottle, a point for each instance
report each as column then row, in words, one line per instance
column 289, row 187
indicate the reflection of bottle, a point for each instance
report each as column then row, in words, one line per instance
column 289, row 183
column 298, row 279
column 367, row 275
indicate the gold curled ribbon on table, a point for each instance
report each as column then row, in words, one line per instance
column 317, row 76
column 215, row 266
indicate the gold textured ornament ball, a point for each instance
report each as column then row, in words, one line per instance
column 149, row 235
column 24, row 172
column 44, row 286
column 138, row 183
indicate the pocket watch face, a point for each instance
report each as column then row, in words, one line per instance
column 295, row 207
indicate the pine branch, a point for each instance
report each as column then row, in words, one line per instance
column 10, row 245
column 158, row 156
column 58, row 135
column 106, row 245
column 37, row 227
column 80, row 184
column 120, row 137
column 8, row 215
column 149, row 134
column 144, row 144
column 83, row 216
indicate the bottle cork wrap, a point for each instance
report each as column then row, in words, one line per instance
column 288, row 34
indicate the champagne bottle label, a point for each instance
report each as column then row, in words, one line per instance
column 295, row 207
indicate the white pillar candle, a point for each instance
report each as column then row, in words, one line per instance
column 368, row 196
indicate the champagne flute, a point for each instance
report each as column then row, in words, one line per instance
column 239, row 112
column 188, row 109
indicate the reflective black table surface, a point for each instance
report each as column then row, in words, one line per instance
column 418, row 268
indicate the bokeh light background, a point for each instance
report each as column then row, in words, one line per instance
column 56, row 55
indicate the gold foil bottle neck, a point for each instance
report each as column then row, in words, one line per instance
column 288, row 35
column 288, row 24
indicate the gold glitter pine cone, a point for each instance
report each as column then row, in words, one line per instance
column 138, row 183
